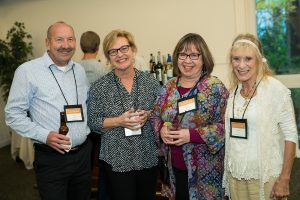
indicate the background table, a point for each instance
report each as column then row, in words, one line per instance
column 23, row 148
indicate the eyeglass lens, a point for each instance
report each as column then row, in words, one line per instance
column 122, row 49
column 192, row 56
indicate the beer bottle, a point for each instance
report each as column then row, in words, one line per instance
column 63, row 129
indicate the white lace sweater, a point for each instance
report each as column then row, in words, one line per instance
column 271, row 121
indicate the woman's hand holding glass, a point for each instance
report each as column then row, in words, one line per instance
column 129, row 119
column 174, row 136
column 143, row 116
column 133, row 119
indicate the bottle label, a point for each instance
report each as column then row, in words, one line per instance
column 154, row 74
column 169, row 73
column 165, row 79
column 158, row 74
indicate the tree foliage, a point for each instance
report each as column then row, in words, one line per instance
column 14, row 51
column 273, row 31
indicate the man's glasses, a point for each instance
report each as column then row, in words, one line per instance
column 122, row 49
column 192, row 56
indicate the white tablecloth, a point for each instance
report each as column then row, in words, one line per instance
column 22, row 147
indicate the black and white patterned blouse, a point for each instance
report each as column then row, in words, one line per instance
column 109, row 98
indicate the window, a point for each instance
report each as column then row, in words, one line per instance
column 278, row 27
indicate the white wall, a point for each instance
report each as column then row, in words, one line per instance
column 156, row 25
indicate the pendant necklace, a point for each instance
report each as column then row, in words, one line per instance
column 247, row 101
column 247, row 97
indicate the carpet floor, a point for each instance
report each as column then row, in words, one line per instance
column 17, row 183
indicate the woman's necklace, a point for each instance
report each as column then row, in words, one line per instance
column 246, row 96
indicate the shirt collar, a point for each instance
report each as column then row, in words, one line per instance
column 49, row 62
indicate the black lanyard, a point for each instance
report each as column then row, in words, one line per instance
column 248, row 101
column 60, row 87
column 195, row 86
column 190, row 92
column 120, row 94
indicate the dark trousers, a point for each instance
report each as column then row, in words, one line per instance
column 102, row 183
column 64, row 177
column 102, row 193
column 181, row 185
column 132, row 185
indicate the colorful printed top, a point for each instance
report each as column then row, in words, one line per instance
column 204, row 162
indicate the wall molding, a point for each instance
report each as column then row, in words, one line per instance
column 245, row 17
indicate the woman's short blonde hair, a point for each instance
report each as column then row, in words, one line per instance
column 111, row 37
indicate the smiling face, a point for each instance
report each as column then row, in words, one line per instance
column 245, row 65
column 124, row 58
column 61, row 43
column 191, row 66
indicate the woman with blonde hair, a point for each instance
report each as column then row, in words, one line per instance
column 118, row 108
column 260, row 127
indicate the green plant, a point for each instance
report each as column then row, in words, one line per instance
column 273, row 29
column 14, row 51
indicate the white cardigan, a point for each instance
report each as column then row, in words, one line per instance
column 274, row 121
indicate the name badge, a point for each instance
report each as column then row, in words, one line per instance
column 129, row 132
column 238, row 128
column 74, row 113
column 187, row 104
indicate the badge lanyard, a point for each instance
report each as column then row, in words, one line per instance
column 195, row 86
column 120, row 94
column 129, row 132
column 248, row 101
column 188, row 99
column 74, row 113
column 239, row 127
column 60, row 87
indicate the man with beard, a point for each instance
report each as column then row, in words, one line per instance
column 45, row 87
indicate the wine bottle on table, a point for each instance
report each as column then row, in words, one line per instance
column 169, row 67
column 164, row 70
column 158, row 68
column 152, row 65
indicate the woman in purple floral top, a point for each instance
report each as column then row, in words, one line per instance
column 194, row 103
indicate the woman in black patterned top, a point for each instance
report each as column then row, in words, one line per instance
column 118, row 108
